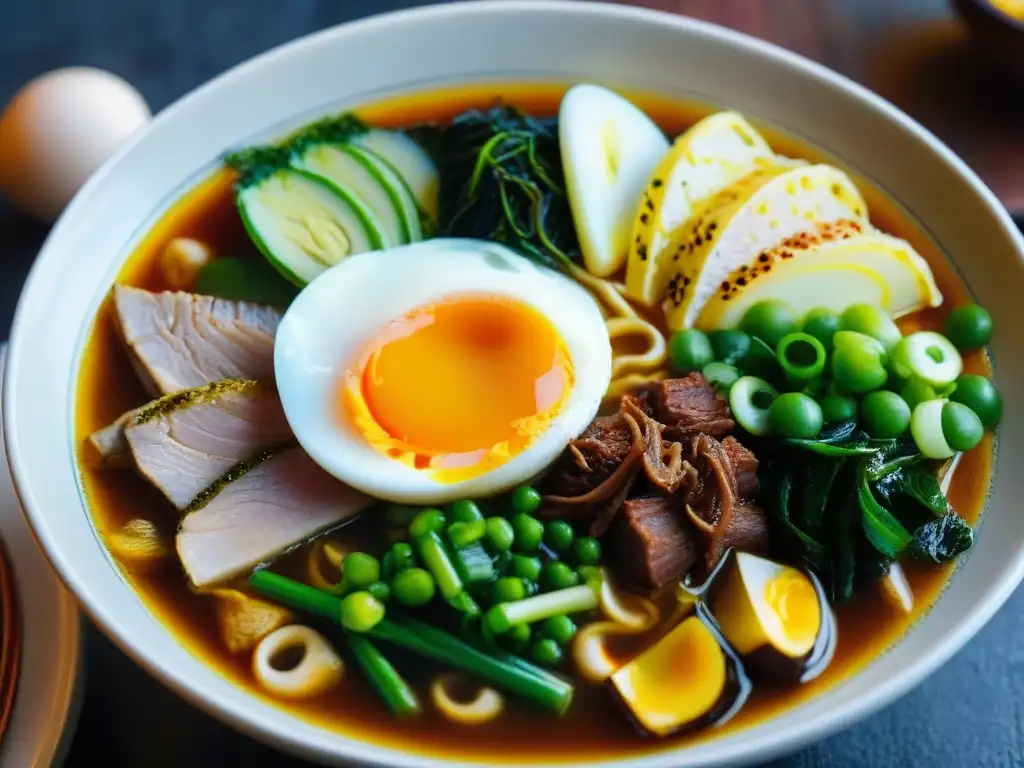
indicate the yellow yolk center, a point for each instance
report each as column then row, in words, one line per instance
column 461, row 386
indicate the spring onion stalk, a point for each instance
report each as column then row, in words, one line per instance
column 802, row 357
column 502, row 670
column 929, row 357
column 926, row 429
column 399, row 696
column 436, row 560
column 503, row 616
column 499, row 669
column 750, row 399
column 296, row 595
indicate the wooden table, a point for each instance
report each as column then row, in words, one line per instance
column 911, row 51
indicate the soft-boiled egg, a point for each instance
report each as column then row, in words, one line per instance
column 609, row 150
column 441, row 370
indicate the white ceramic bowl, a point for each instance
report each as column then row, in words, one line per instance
column 515, row 41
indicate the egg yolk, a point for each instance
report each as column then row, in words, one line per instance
column 459, row 387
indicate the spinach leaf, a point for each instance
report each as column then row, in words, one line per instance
column 881, row 470
column 922, row 486
column 761, row 361
column 881, row 527
column 942, row 540
column 846, row 535
column 819, row 478
column 780, row 485
column 501, row 180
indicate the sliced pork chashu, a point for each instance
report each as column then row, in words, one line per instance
column 183, row 443
column 276, row 505
column 181, row 340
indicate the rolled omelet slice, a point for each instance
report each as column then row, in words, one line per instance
column 755, row 213
column 834, row 265
column 714, row 153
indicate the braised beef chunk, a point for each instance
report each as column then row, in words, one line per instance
column 712, row 501
column 744, row 464
column 591, row 458
column 648, row 546
column 688, row 407
column 748, row 529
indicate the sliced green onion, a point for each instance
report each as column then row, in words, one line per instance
column 926, row 429
column 801, row 356
column 435, row 558
column 929, row 356
column 462, row 534
column 503, row 616
column 750, row 398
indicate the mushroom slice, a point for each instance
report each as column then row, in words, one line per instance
column 296, row 662
column 776, row 617
column 244, row 620
column 689, row 679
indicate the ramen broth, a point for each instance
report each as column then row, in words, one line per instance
column 594, row 727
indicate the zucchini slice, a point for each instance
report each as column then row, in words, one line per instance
column 411, row 162
column 304, row 223
column 372, row 179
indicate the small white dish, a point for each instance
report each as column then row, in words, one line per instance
column 47, row 699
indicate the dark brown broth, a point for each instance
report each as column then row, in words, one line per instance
column 594, row 728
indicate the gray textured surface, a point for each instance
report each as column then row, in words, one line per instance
column 971, row 713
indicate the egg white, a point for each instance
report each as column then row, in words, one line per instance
column 332, row 320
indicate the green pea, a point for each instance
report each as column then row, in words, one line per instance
column 413, row 587
column 526, row 567
column 359, row 570
column 961, row 426
column 398, row 558
column 464, row 511
column 427, row 521
column 508, row 589
column 526, row 500
column 529, row 532
column 587, row 550
column 517, row 638
column 559, row 575
column 969, row 327
column 547, row 652
column 559, row 535
column 500, row 533
column 590, row 574
column 561, row 629
column 872, row 321
column 730, row 346
column 380, row 590
column 885, row 414
column 821, row 323
column 769, row 320
column 836, row 407
column 981, row 396
column 916, row 392
column 794, row 414
column 721, row 376
column 398, row 516
column 361, row 612
column 858, row 363
column 689, row 350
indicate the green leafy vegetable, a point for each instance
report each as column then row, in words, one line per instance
column 846, row 549
column 881, row 527
column 501, row 180
column 777, row 500
column 241, row 279
column 942, row 540
column 820, row 477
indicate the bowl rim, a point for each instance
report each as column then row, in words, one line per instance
column 819, row 724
